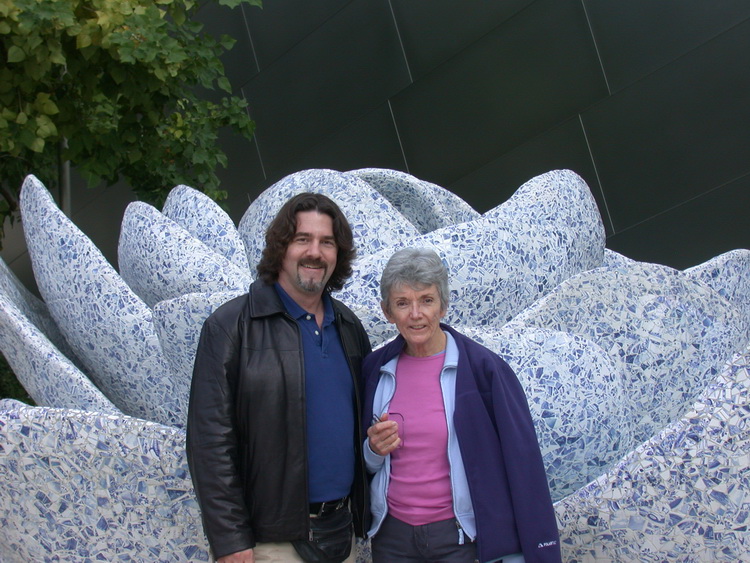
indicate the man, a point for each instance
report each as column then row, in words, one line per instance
column 273, row 438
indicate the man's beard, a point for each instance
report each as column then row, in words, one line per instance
column 312, row 286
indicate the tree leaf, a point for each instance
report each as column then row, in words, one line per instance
column 45, row 105
column 224, row 84
column 16, row 54
column 37, row 145
column 83, row 40
column 45, row 127
column 126, row 82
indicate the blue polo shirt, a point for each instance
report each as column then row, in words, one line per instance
column 329, row 400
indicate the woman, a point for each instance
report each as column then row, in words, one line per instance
column 457, row 471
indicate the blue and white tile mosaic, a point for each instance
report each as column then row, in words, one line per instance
column 33, row 308
column 47, row 375
column 83, row 486
column 107, row 325
column 160, row 260
column 614, row 259
column 640, row 417
column 375, row 222
column 681, row 496
column 727, row 275
column 575, row 396
column 178, row 324
column 427, row 206
column 503, row 261
column 202, row 217
column 668, row 334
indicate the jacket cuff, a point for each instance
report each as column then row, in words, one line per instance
column 373, row 461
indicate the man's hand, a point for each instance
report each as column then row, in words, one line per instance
column 246, row 556
column 383, row 436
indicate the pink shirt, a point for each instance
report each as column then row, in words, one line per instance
column 419, row 491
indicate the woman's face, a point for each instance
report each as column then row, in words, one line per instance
column 417, row 314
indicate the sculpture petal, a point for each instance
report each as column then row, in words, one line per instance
column 505, row 260
column 668, row 334
column 575, row 396
column 376, row 224
column 85, row 486
column 674, row 496
column 729, row 275
column 34, row 309
column 202, row 217
column 427, row 206
column 49, row 377
column 107, row 325
column 178, row 324
column 161, row 260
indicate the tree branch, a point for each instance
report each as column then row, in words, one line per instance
column 10, row 198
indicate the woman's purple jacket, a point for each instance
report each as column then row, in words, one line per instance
column 506, row 476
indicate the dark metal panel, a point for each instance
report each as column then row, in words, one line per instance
column 558, row 148
column 282, row 24
column 346, row 68
column 679, row 133
column 530, row 74
column 637, row 37
column 433, row 31
column 368, row 142
column 692, row 233
column 239, row 61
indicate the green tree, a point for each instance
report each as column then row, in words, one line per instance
column 121, row 89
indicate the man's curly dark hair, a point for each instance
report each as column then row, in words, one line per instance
column 282, row 229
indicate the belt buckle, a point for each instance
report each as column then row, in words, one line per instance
column 329, row 506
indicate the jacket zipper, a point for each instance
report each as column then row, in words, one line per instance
column 304, row 417
column 357, row 426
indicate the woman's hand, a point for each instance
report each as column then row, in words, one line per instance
column 383, row 436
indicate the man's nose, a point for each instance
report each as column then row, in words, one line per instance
column 313, row 249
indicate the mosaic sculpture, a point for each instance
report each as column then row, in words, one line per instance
column 637, row 375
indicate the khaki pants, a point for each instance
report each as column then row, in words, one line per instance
column 284, row 552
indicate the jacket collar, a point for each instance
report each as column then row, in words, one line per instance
column 391, row 354
column 263, row 301
column 395, row 346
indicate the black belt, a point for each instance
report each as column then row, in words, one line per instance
column 318, row 509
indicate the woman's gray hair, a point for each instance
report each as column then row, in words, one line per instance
column 417, row 268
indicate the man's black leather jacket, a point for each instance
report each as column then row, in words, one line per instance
column 246, row 429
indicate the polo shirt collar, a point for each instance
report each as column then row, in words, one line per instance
column 297, row 312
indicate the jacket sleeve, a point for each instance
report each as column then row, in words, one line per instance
column 527, row 477
column 212, row 444
column 364, row 339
